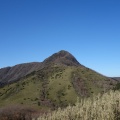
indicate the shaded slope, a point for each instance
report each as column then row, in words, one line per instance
column 11, row 74
column 116, row 78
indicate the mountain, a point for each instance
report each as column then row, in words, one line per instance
column 55, row 82
column 12, row 74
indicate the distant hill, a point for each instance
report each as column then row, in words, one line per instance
column 117, row 78
column 57, row 81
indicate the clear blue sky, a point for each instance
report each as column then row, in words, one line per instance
column 31, row 30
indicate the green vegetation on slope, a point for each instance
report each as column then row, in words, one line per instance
column 47, row 87
column 55, row 86
column 25, row 91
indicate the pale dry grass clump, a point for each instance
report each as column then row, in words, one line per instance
column 100, row 107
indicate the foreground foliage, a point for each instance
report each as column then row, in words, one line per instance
column 100, row 107
column 18, row 112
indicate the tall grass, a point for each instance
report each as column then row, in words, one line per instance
column 100, row 107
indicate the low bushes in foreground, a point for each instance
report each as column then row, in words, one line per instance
column 100, row 107
column 18, row 112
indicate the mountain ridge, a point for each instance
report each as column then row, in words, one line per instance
column 12, row 74
column 16, row 72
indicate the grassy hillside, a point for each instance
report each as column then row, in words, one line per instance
column 55, row 86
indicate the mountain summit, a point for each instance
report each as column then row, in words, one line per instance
column 62, row 57
column 11, row 74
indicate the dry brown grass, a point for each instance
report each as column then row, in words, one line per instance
column 100, row 107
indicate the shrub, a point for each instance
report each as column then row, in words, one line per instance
column 38, row 103
column 16, row 113
column 117, row 87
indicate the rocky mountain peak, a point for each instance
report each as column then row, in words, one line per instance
column 62, row 57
